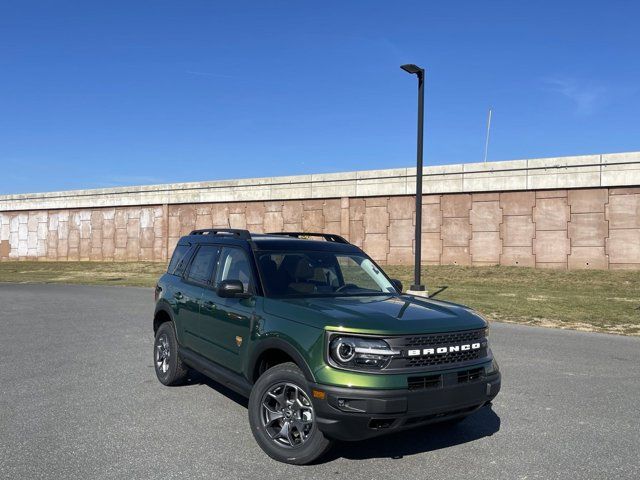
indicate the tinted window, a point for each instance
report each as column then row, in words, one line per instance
column 234, row 265
column 178, row 260
column 202, row 264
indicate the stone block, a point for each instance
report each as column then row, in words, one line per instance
column 376, row 201
column 455, row 256
column 108, row 248
column 588, row 230
column 292, row 212
column 431, row 247
column 133, row 227
column 485, row 216
column 5, row 248
column 551, row 247
column 121, row 238
column 96, row 219
column 431, row 217
column 356, row 232
column 120, row 255
column 146, row 237
column 588, row 258
column 133, row 249
column 623, row 246
column 485, row 197
column 273, row 206
column 187, row 216
column 455, row 205
column 551, row 193
column 344, row 221
column 400, row 256
column 146, row 254
column 219, row 216
column 255, row 213
column 590, row 200
column 552, row 265
column 312, row 221
column 332, row 227
column 74, row 239
column 120, row 218
column 85, row 249
column 377, row 246
column 237, row 220
column 174, row 227
column 517, row 257
column 332, row 210
column 309, row 204
column 357, row 208
column 108, row 229
column 455, row 232
column 517, row 231
column 376, row 220
column 517, row 203
column 623, row 211
column 431, row 199
column 486, row 247
column 401, row 233
column 273, row 221
column 551, row 214
column 401, row 208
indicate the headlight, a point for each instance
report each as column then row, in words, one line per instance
column 360, row 353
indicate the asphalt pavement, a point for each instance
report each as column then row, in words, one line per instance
column 79, row 399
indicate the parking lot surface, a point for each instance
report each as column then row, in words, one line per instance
column 79, row 399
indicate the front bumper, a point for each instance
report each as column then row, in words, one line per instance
column 352, row 414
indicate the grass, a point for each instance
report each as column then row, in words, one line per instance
column 594, row 300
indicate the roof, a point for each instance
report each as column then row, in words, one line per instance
column 294, row 241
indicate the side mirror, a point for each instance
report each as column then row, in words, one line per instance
column 397, row 283
column 232, row 289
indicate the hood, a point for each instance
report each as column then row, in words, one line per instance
column 389, row 315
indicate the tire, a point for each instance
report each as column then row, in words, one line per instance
column 272, row 405
column 167, row 363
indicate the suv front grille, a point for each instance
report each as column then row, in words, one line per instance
column 433, row 341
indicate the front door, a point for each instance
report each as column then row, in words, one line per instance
column 228, row 320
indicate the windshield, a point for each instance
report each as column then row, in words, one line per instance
column 308, row 273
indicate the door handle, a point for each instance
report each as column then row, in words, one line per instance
column 178, row 296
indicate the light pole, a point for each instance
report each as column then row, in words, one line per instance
column 419, row 72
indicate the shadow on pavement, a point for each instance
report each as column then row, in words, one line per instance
column 481, row 424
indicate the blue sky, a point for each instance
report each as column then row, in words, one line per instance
column 98, row 94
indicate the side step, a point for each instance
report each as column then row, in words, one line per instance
column 214, row 371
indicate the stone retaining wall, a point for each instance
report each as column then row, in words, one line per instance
column 564, row 228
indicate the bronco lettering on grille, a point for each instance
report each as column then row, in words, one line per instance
column 442, row 350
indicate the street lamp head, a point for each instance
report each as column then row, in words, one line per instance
column 411, row 68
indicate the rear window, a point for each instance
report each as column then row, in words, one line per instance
column 178, row 260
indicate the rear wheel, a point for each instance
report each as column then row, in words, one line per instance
column 168, row 365
column 282, row 417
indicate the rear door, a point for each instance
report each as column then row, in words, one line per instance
column 196, row 280
column 228, row 320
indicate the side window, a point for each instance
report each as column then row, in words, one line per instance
column 233, row 264
column 178, row 260
column 202, row 264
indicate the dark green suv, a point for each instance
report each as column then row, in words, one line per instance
column 320, row 340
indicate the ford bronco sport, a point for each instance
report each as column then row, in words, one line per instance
column 320, row 340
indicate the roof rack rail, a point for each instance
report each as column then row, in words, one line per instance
column 243, row 234
column 329, row 237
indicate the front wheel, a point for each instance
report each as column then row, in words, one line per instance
column 282, row 417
